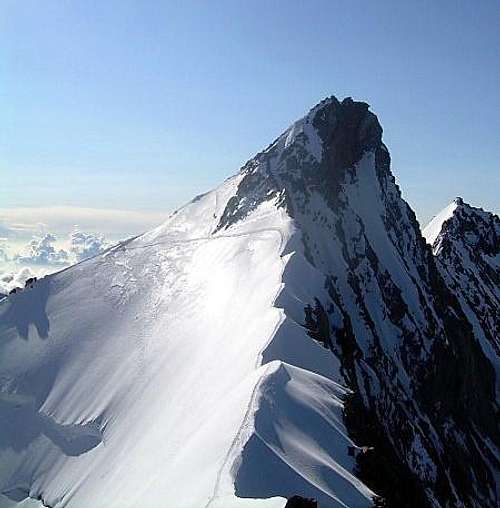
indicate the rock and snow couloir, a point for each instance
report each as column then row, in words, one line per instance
column 248, row 348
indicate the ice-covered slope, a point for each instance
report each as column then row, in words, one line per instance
column 435, row 226
column 466, row 243
column 250, row 346
column 132, row 379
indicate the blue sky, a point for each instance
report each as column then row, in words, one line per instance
column 139, row 105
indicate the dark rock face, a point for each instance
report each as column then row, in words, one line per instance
column 301, row 502
column 424, row 388
column 380, row 467
column 451, row 391
column 347, row 130
column 317, row 324
column 29, row 282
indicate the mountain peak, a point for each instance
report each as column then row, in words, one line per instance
column 347, row 129
column 464, row 223
column 467, row 248
column 435, row 226
column 298, row 310
column 348, row 120
column 312, row 156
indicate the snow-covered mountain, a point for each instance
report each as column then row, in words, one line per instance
column 466, row 243
column 289, row 332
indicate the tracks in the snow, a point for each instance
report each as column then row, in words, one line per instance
column 174, row 241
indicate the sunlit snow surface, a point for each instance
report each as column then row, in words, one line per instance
column 136, row 378
column 435, row 226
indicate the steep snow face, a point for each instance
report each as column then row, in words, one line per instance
column 133, row 379
column 216, row 360
column 433, row 229
column 466, row 242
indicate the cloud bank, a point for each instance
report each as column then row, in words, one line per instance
column 41, row 251
column 10, row 279
column 40, row 256
column 85, row 245
column 38, row 241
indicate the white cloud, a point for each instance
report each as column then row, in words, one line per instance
column 44, row 250
column 85, row 245
column 45, row 240
column 41, row 251
column 10, row 279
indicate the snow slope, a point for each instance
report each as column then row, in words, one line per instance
column 432, row 230
column 135, row 375
column 244, row 350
